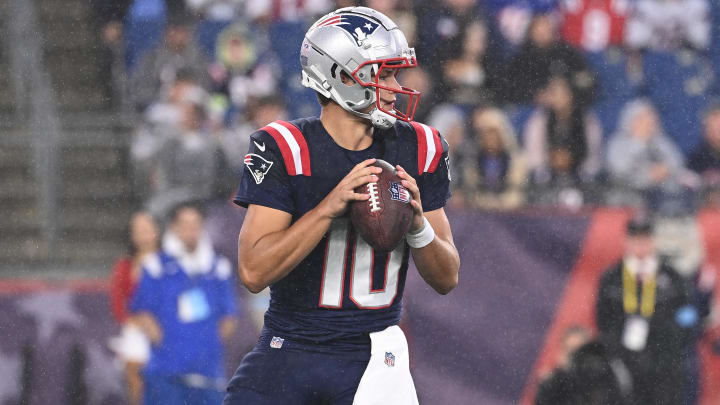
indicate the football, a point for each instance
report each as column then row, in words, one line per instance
column 385, row 218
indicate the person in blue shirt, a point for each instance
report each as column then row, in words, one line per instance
column 185, row 303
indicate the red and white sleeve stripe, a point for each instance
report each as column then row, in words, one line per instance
column 292, row 145
column 429, row 147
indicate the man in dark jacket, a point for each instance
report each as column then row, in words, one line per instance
column 705, row 158
column 643, row 313
column 542, row 56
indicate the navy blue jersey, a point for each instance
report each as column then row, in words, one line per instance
column 343, row 289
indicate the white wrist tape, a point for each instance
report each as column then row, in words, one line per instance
column 421, row 238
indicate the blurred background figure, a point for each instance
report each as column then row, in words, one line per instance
column 668, row 25
column 445, row 25
column 586, row 373
column 470, row 74
column 419, row 79
column 400, row 12
column 178, row 160
column 705, row 158
column 243, row 70
column 543, row 56
column 702, row 287
column 563, row 143
column 641, row 159
column 235, row 140
column 644, row 314
column 132, row 346
column 489, row 168
column 594, row 25
column 108, row 18
column 214, row 17
column 158, row 68
column 186, row 304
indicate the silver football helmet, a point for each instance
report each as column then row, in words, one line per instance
column 360, row 42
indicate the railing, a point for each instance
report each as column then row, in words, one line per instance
column 36, row 110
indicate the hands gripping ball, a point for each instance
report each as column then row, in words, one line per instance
column 386, row 217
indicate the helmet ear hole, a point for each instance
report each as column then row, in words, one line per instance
column 367, row 95
column 346, row 79
column 333, row 68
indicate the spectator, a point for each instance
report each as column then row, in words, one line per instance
column 702, row 287
column 666, row 25
column 642, row 159
column 450, row 120
column 418, row 78
column 235, row 142
column 643, row 313
column 166, row 109
column 444, row 25
column 397, row 11
column 542, row 57
column 177, row 162
column 216, row 15
column 132, row 345
column 510, row 20
column 573, row 338
column 143, row 241
column 705, row 158
column 144, row 24
column 270, row 11
column 108, row 18
column 185, row 303
column 585, row 374
column 243, row 68
column 563, row 140
column 158, row 68
column 490, row 169
column 592, row 377
column 594, row 25
column 471, row 75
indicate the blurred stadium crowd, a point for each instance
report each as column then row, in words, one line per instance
column 543, row 102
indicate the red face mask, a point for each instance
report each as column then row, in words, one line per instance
column 413, row 96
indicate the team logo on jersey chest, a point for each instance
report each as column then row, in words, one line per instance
column 389, row 359
column 258, row 166
column 398, row 192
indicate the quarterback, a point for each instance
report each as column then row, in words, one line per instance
column 331, row 334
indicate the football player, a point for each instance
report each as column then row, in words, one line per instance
column 331, row 334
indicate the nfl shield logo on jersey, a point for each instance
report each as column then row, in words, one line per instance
column 276, row 342
column 389, row 359
column 398, row 192
column 258, row 166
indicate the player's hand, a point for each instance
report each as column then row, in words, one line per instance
column 337, row 201
column 410, row 184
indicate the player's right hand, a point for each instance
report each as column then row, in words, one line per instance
column 336, row 203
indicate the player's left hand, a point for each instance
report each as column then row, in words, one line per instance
column 410, row 184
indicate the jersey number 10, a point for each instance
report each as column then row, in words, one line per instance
column 361, row 256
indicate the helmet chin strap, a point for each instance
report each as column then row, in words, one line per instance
column 379, row 119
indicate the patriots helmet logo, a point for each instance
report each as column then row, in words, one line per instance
column 358, row 26
column 258, row 166
column 398, row 192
